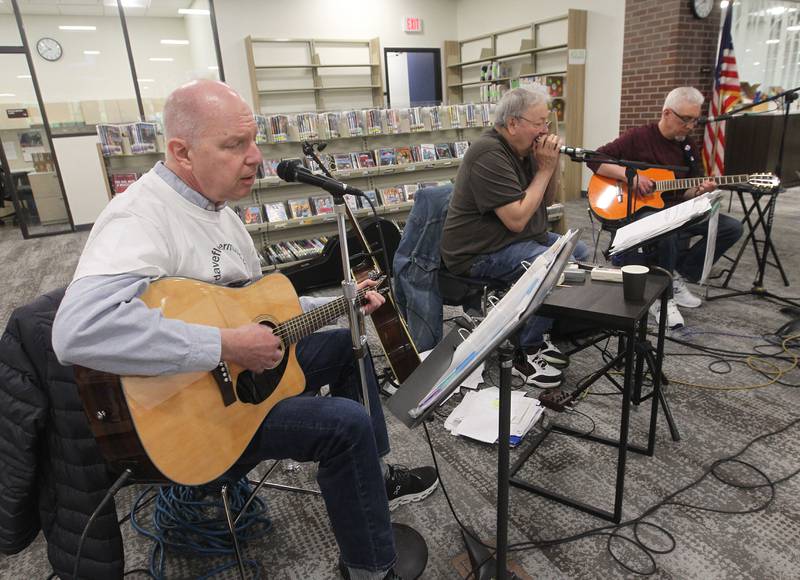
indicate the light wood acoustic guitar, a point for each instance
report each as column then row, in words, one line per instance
column 608, row 198
column 190, row 428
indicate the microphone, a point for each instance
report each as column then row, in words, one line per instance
column 702, row 120
column 289, row 171
column 576, row 153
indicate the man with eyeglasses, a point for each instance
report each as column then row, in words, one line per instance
column 667, row 142
column 497, row 217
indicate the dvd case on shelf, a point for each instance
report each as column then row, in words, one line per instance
column 403, row 155
column 144, row 137
column 427, row 152
column 435, row 117
column 307, row 126
column 443, row 151
column 111, row 139
column 122, row 181
column 279, row 128
column 365, row 159
column 415, row 120
column 372, row 119
column 371, row 195
column 299, row 207
column 251, row 214
column 344, row 161
column 410, row 191
column 386, row 156
column 322, row 204
column 269, row 167
column 392, row 195
column 460, row 148
column 392, row 121
column 354, row 122
column 352, row 202
column 329, row 125
column 275, row 211
column 262, row 132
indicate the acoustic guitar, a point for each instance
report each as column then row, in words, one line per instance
column 608, row 198
column 190, row 428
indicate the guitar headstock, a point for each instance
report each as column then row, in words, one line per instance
column 763, row 181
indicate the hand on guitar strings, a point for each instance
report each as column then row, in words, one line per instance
column 252, row 346
column 705, row 187
column 644, row 185
column 374, row 300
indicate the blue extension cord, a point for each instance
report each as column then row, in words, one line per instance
column 192, row 519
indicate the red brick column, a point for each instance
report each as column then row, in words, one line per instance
column 665, row 46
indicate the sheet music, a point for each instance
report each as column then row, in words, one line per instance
column 525, row 292
column 653, row 225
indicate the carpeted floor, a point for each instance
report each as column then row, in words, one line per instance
column 720, row 403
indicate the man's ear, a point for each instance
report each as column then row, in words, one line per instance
column 179, row 151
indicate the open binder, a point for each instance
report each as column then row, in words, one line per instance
column 459, row 354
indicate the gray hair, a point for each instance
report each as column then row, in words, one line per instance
column 516, row 101
column 683, row 95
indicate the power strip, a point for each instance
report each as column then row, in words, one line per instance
column 607, row 274
column 555, row 399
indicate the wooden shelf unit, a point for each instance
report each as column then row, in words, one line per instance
column 303, row 60
column 554, row 46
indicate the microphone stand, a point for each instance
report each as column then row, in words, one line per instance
column 410, row 546
column 758, row 288
column 357, row 330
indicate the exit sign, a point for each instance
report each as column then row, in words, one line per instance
column 411, row 24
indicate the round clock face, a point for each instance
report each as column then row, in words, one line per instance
column 702, row 8
column 49, row 49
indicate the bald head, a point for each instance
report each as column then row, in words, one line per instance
column 195, row 106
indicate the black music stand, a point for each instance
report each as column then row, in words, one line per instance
column 766, row 213
column 405, row 403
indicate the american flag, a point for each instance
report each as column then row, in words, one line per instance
column 726, row 94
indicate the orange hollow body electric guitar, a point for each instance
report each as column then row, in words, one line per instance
column 608, row 197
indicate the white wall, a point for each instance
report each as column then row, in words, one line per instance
column 332, row 19
column 605, row 31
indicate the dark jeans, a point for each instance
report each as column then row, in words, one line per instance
column 669, row 254
column 337, row 433
column 506, row 265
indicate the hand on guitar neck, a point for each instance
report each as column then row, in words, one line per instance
column 254, row 346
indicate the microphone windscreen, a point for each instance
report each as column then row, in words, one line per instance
column 286, row 170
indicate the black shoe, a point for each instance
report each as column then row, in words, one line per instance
column 390, row 575
column 408, row 485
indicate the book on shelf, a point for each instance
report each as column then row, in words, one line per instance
column 121, row 181
column 299, row 207
column 427, row 152
column 471, row 115
column 455, row 115
column 371, row 195
column 329, row 125
column 555, row 85
column 262, row 131
column 111, row 139
column 311, row 164
column 393, row 121
column 557, row 105
column 434, row 117
column 386, row 156
column 279, row 128
column 275, row 211
column 372, row 120
column 410, row 191
column 322, row 204
column 344, row 161
column 365, row 159
column 251, row 214
column 392, row 195
column 460, row 148
column 443, row 151
column 307, row 126
column 354, row 122
column 144, row 137
column 403, row 155
column 352, row 202
column 415, row 119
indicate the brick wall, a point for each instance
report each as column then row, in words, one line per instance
column 665, row 46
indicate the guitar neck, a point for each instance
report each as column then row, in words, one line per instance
column 292, row 330
column 673, row 184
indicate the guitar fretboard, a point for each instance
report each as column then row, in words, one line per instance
column 302, row 325
column 673, row 184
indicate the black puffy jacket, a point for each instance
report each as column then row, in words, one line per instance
column 52, row 475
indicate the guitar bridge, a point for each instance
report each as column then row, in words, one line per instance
column 222, row 376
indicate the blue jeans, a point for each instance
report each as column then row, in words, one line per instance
column 506, row 265
column 669, row 252
column 337, row 433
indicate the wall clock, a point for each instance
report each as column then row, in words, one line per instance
column 702, row 8
column 49, row 49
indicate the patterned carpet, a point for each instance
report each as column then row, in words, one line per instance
column 716, row 405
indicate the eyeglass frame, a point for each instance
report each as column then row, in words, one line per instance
column 691, row 121
column 547, row 123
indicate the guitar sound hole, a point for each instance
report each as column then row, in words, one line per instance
column 254, row 388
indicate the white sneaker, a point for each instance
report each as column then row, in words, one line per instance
column 674, row 317
column 534, row 370
column 682, row 295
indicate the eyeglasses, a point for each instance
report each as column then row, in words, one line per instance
column 686, row 120
column 537, row 126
